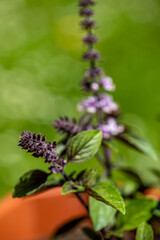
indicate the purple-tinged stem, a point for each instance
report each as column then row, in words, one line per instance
column 76, row 194
column 107, row 154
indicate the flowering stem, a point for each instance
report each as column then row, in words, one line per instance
column 76, row 194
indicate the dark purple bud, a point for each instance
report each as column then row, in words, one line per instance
column 86, row 85
column 90, row 39
column 38, row 137
column 86, row 12
column 94, row 72
column 88, row 23
column 91, row 55
column 90, row 86
column 54, row 144
column 85, row 3
column 43, row 139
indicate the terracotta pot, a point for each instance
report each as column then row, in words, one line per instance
column 36, row 217
column 152, row 193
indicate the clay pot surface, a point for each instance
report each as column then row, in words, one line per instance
column 152, row 193
column 39, row 216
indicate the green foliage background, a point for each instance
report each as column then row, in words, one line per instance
column 40, row 70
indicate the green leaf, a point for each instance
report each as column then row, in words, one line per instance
column 156, row 172
column 101, row 214
column 30, row 182
column 139, row 144
column 72, row 187
column 86, row 175
column 137, row 211
column 84, row 146
column 157, row 213
column 91, row 234
column 144, row 232
column 106, row 192
column 52, row 181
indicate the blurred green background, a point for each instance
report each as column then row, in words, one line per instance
column 40, row 70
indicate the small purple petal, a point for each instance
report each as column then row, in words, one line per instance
column 95, row 86
column 107, row 84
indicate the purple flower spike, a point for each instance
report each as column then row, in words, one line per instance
column 38, row 146
column 107, row 84
column 111, row 128
column 65, row 125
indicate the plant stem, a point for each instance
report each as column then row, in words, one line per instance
column 82, row 201
column 107, row 154
column 76, row 194
column 102, row 233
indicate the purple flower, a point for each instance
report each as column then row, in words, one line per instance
column 94, row 72
column 90, row 39
column 85, row 3
column 88, row 23
column 91, row 55
column 103, row 102
column 111, row 128
column 89, row 104
column 95, row 86
column 38, row 146
column 106, row 104
column 107, row 83
column 86, row 12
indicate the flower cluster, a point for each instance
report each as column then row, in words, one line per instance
column 103, row 102
column 65, row 125
column 111, row 128
column 40, row 148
